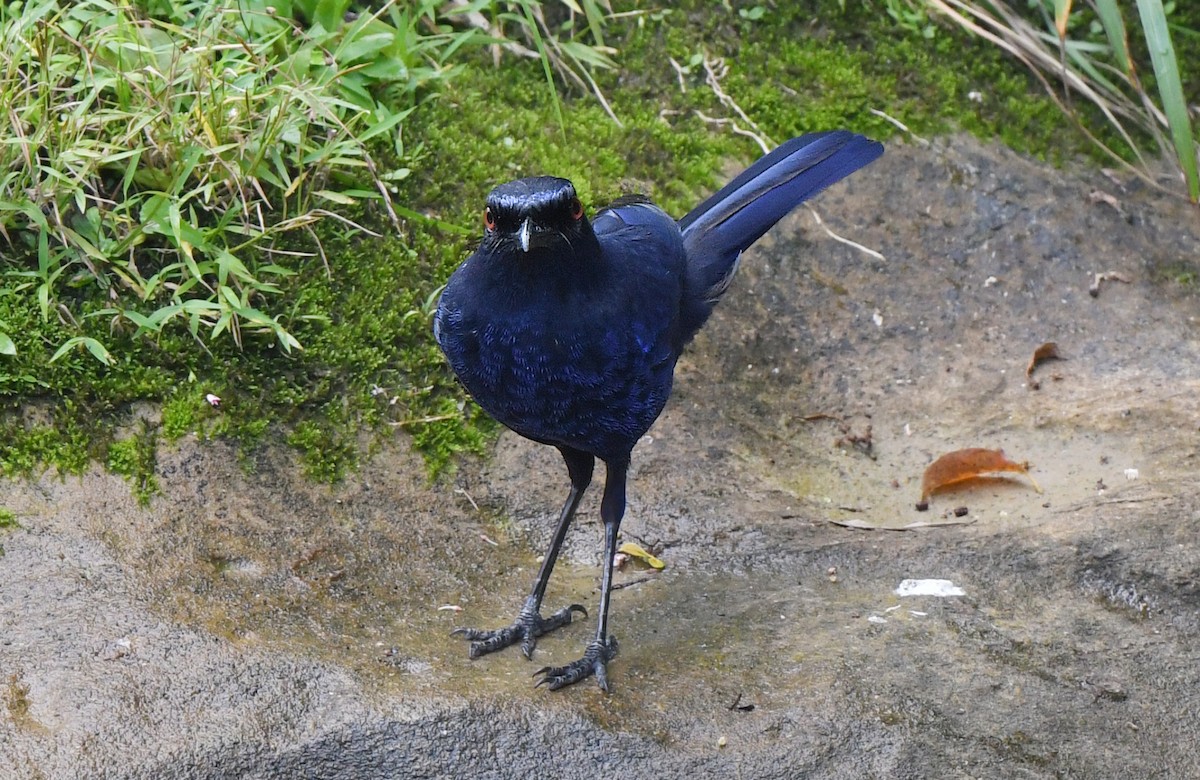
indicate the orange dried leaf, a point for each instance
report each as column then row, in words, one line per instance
column 961, row 465
column 1048, row 351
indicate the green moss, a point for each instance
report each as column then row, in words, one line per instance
column 8, row 519
column 1181, row 274
column 180, row 415
column 134, row 458
column 245, row 429
column 455, row 428
column 63, row 444
column 326, row 451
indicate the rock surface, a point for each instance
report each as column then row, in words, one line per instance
column 250, row 625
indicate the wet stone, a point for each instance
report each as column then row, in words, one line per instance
column 250, row 624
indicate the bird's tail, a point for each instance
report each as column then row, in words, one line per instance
column 717, row 231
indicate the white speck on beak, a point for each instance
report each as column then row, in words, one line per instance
column 524, row 235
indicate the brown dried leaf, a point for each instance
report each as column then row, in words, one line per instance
column 962, row 465
column 1048, row 351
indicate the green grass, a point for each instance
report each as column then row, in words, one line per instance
column 144, row 155
column 1115, row 74
column 360, row 305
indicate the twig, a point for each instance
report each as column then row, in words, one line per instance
column 600, row 96
column 383, row 192
column 713, row 79
column 846, row 241
column 1093, row 504
column 638, row 581
column 902, row 127
column 1107, row 276
column 320, row 250
column 679, row 74
column 733, row 125
column 666, row 112
column 350, row 222
column 422, row 420
column 463, row 492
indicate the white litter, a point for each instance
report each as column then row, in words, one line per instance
column 876, row 619
column 940, row 588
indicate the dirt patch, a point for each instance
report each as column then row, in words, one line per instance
column 249, row 624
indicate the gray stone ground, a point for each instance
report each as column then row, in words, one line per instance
column 250, row 625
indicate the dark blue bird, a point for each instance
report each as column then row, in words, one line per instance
column 567, row 331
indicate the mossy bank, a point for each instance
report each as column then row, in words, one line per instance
column 360, row 309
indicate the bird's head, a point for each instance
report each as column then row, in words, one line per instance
column 542, row 212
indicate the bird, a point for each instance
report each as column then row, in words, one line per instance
column 567, row 330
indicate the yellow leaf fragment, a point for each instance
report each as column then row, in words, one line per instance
column 634, row 550
column 962, row 465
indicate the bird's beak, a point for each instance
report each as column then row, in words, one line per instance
column 523, row 234
column 533, row 235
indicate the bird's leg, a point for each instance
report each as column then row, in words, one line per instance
column 530, row 624
column 603, row 648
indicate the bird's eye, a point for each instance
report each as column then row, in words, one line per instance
column 489, row 221
column 576, row 209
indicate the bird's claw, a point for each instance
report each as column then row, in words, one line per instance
column 594, row 662
column 528, row 626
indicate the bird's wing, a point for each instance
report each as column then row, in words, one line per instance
column 644, row 246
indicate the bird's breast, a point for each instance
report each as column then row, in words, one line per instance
column 570, row 379
column 569, row 355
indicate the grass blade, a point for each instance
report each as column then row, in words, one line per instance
column 1062, row 12
column 1170, row 89
column 1114, row 27
column 532, row 23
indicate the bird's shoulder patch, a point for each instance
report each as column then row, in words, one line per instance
column 631, row 199
column 632, row 211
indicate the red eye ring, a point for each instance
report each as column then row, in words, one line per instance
column 576, row 209
column 489, row 221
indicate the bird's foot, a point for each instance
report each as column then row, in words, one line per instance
column 594, row 661
column 527, row 628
